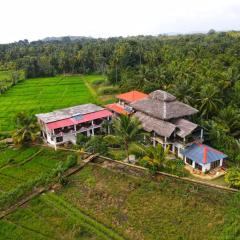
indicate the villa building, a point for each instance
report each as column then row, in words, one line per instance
column 203, row 157
column 169, row 123
column 63, row 125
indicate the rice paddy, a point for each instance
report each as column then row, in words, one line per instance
column 15, row 170
column 99, row 203
column 43, row 95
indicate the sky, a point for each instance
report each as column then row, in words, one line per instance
column 37, row 19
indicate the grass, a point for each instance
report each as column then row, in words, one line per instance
column 43, row 95
column 81, row 218
column 100, row 203
column 16, row 172
column 95, row 84
column 142, row 209
column 42, row 219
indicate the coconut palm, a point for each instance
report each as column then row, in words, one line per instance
column 26, row 129
column 154, row 158
column 230, row 117
column 208, row 100
column 126, row 131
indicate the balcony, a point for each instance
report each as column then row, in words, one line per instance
column 71, row 131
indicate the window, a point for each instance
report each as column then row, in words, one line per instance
column 198, row 166
column 215, row 164
column 59, row 139
column 189, row 161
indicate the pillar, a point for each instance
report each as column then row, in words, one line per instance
column 193, row 164
column 221, row 162
column 154, row 140
column 201, row 133
column 108, row 128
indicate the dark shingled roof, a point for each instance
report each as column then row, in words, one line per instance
column 184, row 126
column 162, row 96
column 163, row 105
column 150, row 124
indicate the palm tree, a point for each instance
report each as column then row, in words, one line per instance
column 230, row 117
column 209, row 100
column 126, row 130
column 26, row 129
column 154, row 158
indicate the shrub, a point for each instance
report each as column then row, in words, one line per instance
column 71, row 161
column 97, row 144
column 81, row 139
column 233, row 177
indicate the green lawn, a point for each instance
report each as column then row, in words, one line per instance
column 43, row 95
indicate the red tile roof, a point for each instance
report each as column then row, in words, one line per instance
column 132, row 96
column 117, row 108
column 60, row 124
column 93, row 116
column 86, row 118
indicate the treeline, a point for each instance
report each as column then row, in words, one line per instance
column 201, row 69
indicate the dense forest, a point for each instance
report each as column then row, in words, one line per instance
column 202, row 70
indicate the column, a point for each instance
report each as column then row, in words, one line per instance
column 221, row 162
column 92, row 129
column 201, row 133
column 154, row 140
column 108, row 128
column 193, row 164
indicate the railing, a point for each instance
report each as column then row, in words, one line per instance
column 72, row 132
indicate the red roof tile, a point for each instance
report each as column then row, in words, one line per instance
column 61, row 123
column 117, row 108
column 86, row 118
column 132, row 96
column 93, row 116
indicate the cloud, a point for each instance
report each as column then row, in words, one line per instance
column 37, row 19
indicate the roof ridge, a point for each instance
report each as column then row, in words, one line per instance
column 205, row 151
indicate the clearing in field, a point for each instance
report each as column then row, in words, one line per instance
column 44, row 95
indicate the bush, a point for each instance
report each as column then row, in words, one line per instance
column 233, row 177
column 81, row 139
column 108, row 90
column 71, row 161
column 97, row 144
